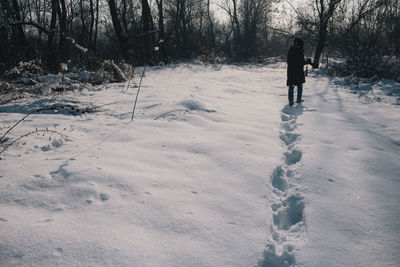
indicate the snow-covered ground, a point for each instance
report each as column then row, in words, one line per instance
column 214, row 170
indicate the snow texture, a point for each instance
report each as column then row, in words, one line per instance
column 215, row 170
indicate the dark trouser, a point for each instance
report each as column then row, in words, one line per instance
column 299, row 93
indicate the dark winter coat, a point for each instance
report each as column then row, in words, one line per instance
column 295, row 69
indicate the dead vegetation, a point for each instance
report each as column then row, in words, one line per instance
column 30, row 79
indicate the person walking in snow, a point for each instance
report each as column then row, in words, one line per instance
column 295, row 70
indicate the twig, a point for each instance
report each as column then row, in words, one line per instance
column 130, row 78
column 54, row 107
column 30, row 133
column 9, row 130
column 18, row 122
column 137, row 94
column 31, row 23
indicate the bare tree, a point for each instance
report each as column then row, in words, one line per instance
column 367, row 41
column 317, row 23
column 117, row 25
column 146, row 36
column 52, row 55
column 161, row 32
column 17, row 15
column 247, row 18
column 62, row 16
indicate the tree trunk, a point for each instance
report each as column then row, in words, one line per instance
column 4, row 55
column 324, row 18
column 161, row 29
column 96, row 27
column 38, row 8
column 62, row 13
column 178, row 48
column 52, row 55
column 146, row 36
column 20, row 28
column 320, row 46
column 161, row 33
column 236, row 29
column 161, row 19
column 117, row 25
column 182, row 22
column 83, row 33
column 92, row 18
column 124, row 21
column 212, row 35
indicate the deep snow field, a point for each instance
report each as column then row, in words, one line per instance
column 214, row 170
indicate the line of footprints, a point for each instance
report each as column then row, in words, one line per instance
column 288, row 207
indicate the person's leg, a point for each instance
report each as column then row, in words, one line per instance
column 290, row 94
column 299, row 93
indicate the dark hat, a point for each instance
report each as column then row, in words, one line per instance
column 299, row 42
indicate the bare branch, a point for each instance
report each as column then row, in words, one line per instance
column 30, row 133
column 29, row 23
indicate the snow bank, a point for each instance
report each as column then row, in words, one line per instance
column 215, row 170
column 187, row 188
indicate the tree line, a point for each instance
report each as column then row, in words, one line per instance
column 365, row 32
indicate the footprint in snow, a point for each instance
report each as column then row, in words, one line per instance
column 289, row 138
column 195, row 105
column 104, row 197
column 285, row 117
column 290, row 213
column 278, row 180
column 289, row 126
column 54, row 144
column 278, row 256
column 58, row 251
column 293, row 156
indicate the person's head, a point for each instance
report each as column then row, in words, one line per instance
column 298, row 42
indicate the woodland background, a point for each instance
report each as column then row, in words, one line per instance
column 363, row 34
